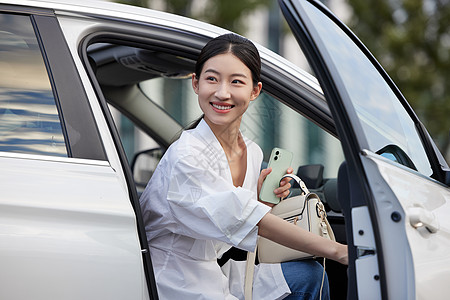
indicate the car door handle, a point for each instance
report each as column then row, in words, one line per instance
column 420, row 217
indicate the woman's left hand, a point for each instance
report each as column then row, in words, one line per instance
column 280, row 192
column 283, row 190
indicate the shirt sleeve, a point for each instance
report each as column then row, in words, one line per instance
column 207, row 206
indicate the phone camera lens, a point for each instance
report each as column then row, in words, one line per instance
column 275, row 158
column 278, row 152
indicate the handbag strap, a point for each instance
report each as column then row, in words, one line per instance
column 249, row 271
column 300, row 182
column 325, row 226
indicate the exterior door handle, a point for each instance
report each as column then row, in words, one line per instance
column 420, row 217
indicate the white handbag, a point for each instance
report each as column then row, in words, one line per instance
column 306, row 211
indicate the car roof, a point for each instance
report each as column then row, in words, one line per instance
column 117, row 10
column 139, row 14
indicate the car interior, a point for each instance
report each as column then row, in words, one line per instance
column 149, row 94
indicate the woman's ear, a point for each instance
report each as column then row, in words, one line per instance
column 195, row 83
column 256, row 91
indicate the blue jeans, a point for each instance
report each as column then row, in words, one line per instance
column 304, row 278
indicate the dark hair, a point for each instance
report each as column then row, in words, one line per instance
column 239, row 46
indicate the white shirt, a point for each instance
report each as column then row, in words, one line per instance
column 193, row 214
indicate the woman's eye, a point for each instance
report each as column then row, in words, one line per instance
column 236, row 81
column 210, row 78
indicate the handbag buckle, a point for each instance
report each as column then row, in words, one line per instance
column 320, row 210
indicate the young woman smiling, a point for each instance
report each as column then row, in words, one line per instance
column 203, row 197
column 225, row 89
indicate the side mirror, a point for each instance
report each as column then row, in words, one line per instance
column 144, row 164
column 447, row 176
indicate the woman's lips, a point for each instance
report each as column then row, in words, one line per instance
column 221, row 108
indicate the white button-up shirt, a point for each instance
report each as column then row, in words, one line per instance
column 193, row 214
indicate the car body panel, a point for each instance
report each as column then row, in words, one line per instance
column 423, row 201
column 66, row 231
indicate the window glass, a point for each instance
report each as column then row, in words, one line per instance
column 270, row 123
column 29, row 121
column 384, row 120
column 142, row 151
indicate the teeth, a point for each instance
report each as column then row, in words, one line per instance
column 221, row 107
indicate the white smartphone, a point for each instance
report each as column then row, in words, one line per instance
column 280, row 160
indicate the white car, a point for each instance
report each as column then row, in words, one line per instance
column 79, row 79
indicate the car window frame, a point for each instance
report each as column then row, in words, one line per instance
column 68, row 91
column 70, row 99
column 23, row 14
column 83, row 137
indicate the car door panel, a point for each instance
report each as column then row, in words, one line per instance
column 77, row 33
column 72, row 219
column 397, row 253
column 424, row 204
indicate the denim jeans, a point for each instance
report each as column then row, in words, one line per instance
column 304, row 278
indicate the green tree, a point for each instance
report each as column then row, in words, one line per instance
column 411, row 39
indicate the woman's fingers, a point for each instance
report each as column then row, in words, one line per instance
column 261, row 178
column 283, row 190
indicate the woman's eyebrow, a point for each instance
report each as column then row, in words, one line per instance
column 218, row 73
column 212, row 71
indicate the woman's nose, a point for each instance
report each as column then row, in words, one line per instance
column 223, row 91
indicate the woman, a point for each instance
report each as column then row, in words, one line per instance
column 202, row 198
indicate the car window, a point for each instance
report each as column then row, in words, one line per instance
column 29, row 121
column 166, row 84
column 385, row 122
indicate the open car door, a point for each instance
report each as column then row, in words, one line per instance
column 393, row 186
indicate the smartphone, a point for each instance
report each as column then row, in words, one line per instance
column 280, row 160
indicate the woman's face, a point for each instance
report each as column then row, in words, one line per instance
column 225, row 89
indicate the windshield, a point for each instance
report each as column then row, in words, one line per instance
column 382, row 117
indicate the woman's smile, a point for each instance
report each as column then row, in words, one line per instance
column 221, row 107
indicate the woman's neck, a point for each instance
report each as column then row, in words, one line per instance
column 228, row 135
column 235, row 149
column 233, row 144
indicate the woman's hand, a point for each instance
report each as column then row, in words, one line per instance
column 283, row 190
column 280, row 192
